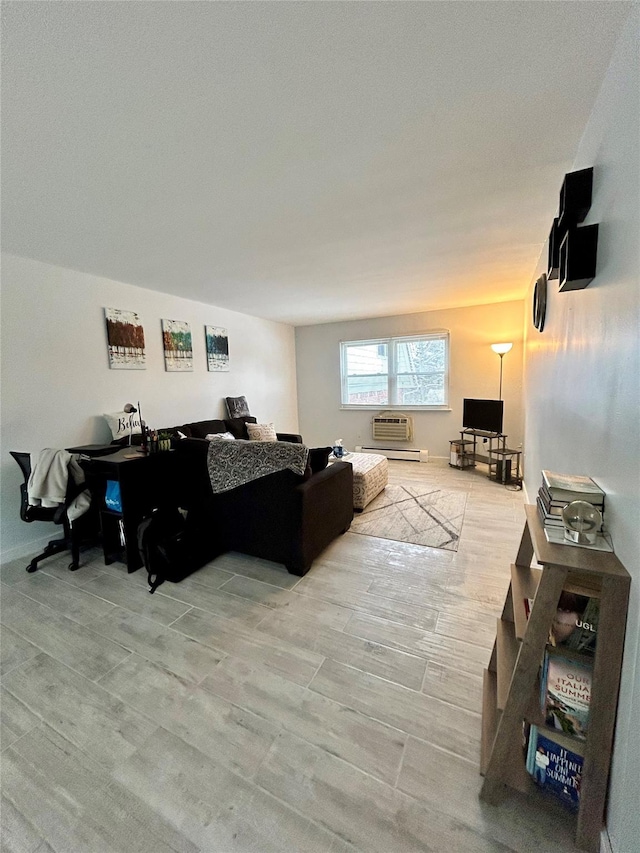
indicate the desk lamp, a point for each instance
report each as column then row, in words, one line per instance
column 130, row 409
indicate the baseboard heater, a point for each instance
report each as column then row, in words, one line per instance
column 395, row 453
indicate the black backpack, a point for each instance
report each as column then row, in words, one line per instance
column 167, row 546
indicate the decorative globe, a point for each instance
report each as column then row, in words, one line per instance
column 582, row 522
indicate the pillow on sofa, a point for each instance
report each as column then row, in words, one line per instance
column 319, row 458
column 220, row 436
column 122, row 424
column 237, row 426
column 237, row 406
column 262, row 432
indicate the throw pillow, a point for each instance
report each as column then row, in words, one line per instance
column 237, row 406
column 262, row 432
column 319, row 458
column 220, row 436
column 123, row 424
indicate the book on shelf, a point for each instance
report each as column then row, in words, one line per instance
column 550, row 507
column 572, row 487
column 554, row 767
column 565, row 694
column 555, row 506
column 575, row 624
column 546, row 518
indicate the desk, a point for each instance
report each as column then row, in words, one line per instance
column 146, row 482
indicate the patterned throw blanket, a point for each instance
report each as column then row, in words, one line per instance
column 234, row 463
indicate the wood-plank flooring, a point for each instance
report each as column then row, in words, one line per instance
column 249, row 710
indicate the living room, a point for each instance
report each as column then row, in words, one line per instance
column 570, row 392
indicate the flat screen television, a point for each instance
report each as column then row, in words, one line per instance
column 483, row 415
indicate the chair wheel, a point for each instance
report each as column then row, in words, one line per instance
column 32, row 567
column 73, row 567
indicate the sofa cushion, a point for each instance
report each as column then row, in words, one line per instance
column 238, row 426
column 319, row 458
column 262, row 432
column 182, row 431
column 201, row 429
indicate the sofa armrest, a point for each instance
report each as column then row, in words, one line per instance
column 293, row 437
column 326, row 510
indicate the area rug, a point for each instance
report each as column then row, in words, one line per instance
column 409, row 512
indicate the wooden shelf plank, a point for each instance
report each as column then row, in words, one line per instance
column 507, row 647
column 581, row 584
column 516, row 775
column 509, row 734
column 490, row 716
column 583, row 560
column 602, row 709
column 524, row 583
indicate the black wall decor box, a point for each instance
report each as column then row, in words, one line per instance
column 575, row 197
column 578, row 255
column 555, row 238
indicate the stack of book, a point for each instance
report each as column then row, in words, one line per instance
column 558, row 490
column 553, row 751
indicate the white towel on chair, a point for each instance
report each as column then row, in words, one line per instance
column 48, row 482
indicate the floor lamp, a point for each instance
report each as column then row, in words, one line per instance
column 501, row 349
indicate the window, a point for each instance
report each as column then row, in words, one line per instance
column 410, row 372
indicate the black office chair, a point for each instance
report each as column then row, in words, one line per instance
column 58, row 515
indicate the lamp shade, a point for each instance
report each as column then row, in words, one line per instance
column 501, row 349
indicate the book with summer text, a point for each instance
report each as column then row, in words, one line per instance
column 554, row 767
column 565, row 694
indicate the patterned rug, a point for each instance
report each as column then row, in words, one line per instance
column 409, row 512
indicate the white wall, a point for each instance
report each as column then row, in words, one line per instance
column 474, row 372
column 56, row 380
column 582, row 383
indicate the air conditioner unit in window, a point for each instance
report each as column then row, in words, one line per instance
column 389, row 426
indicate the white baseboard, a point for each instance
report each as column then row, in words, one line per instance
column 605, row 842
column 403, row 454
column 35, row 546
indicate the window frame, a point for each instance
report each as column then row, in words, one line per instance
column 392, row 375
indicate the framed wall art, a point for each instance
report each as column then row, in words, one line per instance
column 125, row 340
column 217, row 348
column 178, row 346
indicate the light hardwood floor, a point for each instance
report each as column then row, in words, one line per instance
column 246, row 709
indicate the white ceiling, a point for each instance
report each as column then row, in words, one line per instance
column 305, row 162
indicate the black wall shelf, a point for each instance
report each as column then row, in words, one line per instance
column 572, row 249
column 575, row 198
column 578, row 255
column 555, row 238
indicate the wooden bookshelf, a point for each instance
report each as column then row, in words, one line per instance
column 512, row 680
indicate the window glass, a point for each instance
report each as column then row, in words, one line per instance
column 407, row 371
